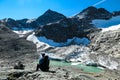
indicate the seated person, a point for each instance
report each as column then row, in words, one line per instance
column 43, row 63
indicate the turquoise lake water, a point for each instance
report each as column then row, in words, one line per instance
column 83, row 67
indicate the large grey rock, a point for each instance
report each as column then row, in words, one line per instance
column 11, row 46
column 106, row 45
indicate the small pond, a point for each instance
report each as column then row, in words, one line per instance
column 81, row 66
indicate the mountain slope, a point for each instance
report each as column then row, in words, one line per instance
column 94, row 13
column 11, row 46
column 50, row 17
column 106, row 45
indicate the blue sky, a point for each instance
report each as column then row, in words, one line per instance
column 19, row 9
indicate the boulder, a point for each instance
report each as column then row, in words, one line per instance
column 19, row 65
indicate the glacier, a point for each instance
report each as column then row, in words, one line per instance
column 99, row 23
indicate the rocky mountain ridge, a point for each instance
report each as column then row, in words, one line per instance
column 52, row 22
column 106, row 45
column 11, row 46
column 91, row 13
column 48, row 17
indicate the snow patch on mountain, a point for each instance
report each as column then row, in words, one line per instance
column 106, row 23
column 30, row 20
column 6, row 19
column 74, row 40
column 35, row 40
column 21, row 33
column 81, row 16
column 111, row 28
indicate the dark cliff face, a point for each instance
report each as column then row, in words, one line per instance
column 12, row 46
column 116, row 13
column 50, row 17
column 94, row 13
column 59, row 32
column 65, row 29
column 9, row 22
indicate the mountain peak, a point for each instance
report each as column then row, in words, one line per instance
column 94, row 13
column 49, row 17
column 8, row 19
column 91, row 8
column 49, row 10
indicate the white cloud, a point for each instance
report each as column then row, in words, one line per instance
column 100, row 2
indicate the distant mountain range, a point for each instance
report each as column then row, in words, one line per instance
column 57, row 27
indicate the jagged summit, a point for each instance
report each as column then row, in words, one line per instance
column 49, row 11
column 7, row 20
column 49, row 17
column 91, row 8
column 94, row 13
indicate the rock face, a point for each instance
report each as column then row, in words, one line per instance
column 106, row 45
column 94, row 13
column 65, row 29
column 9, row 22
column 11, row 46
column 116, row 13
column 61, row 31
column 50, row 17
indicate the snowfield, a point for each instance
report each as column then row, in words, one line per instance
column 75, row 40
column 106, row 23
column 111, row 28
column 35, row 40
column 22, row 33
column 30, row 20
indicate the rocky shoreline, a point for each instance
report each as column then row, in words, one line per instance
column 56, row 73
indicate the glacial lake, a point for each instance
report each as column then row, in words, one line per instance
column 81, row 66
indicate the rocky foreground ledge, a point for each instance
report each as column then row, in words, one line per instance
column 56, row 73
